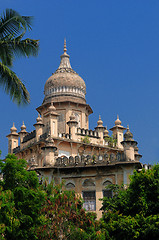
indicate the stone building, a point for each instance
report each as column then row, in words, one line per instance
column 63, row 147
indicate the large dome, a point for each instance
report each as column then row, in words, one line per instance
column 65, row 82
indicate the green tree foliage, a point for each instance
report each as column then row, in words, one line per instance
column 133, row 212
column 64, row 218
column 32, row 211
column 20, row 200
column 13, row 27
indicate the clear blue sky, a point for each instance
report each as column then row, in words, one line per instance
column 113, row 46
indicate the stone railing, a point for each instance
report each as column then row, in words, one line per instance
column 84, row 160
column 29, row 136
column 64, row 135
column 86, row 132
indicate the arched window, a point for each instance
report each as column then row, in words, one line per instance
column 70, row 185
column 107, row 183
column 106, row 191
column 88, row 183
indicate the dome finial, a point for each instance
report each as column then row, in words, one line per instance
column 65, row 62
column 128, row 136
column 23, row 127
column 117, row 122
column 13, row 129
column 100, row 122
column 65, row 49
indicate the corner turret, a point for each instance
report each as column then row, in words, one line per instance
column 12, row 139
column 118, row 131
column 72, row 123
column 130, row 147
column 49, row 151
column 100, row 129
column 39, row 127
column 50, row 120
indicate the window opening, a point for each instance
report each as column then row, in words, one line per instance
column 89, row 198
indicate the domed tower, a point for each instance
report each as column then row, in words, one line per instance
column 12, row 139
column 67, row 90
column 65, row 84
column 130, row 147
column 118, row 130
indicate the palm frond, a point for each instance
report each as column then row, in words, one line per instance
column 6, row 53
column 9, row 48
column 11, row 22
column 27, row 47
column 13, row 85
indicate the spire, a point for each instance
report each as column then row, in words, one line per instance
column 23, row 127
column 100, row 122
column 39, row 119
column 65, row 62
column 65, row 49
column 13, row 129
column 118, row 122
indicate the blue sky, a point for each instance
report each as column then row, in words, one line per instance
column 113, row 46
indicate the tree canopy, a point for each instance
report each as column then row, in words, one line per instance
column 133, row 212
column 64, row 217
column 29, row 210
column 20, row 200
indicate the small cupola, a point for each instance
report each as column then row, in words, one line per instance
column 23, row 128
column 128, row 136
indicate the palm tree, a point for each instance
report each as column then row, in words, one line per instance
column 13, row 27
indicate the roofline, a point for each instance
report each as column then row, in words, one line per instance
column 48, row 103
column 89, row 166
column 117, row 126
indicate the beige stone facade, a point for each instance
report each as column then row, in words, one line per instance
column 62, row 147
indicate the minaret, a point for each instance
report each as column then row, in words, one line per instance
column 39, row 127
column 129, row 146
column 72, row 123
column 118, row 131
column 22, row 133
column 50, row 120
column 49, row 151
column 100, row 129
column 106, row 132
column 12, row 139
